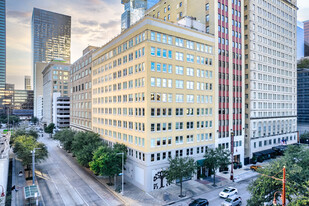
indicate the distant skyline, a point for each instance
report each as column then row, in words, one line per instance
column 94, row 22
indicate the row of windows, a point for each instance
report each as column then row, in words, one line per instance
column 120, row 111
column 116, row 51
column 179, row 84
column 274, row 141
column 139, row 97
column 166, row 39
column 157, row 112
column 158, row 127
column 137, row 126
column 178, row 153
column 158, row 97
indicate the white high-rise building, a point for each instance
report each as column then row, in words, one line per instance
column 271, row 74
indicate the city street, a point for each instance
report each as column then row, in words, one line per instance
column 63, row 182
column 215, row 200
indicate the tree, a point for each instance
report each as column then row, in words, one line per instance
column 21, row 132
column 302, row 200
column 34, row 120
column 296, row 161
column 83, row 146
column 180, row 168
column 304, row 63
column 24, row 144
column 105, row 162
column 216, row 158
column 66, row 137
column 50, row 129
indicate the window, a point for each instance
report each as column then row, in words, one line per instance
column 179, row 70
column 179, row 56
column 179, row 84
column 153, row 51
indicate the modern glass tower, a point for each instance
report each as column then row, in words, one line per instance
column 134, row 11
column 51, row 39
column 2, row 44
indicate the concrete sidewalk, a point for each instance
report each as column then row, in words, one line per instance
column 170, row 195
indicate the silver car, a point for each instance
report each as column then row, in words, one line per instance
column 234, row 200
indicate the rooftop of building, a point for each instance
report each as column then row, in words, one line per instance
column 149, row 20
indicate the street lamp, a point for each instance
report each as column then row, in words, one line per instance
column 33, row 163
column 122, row 176
column 232, row 155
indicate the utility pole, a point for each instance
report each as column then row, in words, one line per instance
column 283, row 188
column 122, row 176
column 33, row 165
column 232, row 155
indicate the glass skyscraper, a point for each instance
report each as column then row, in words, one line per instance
column 134, row 11
column 2, row 44
column 51, row 39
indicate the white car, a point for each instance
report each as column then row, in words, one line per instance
column 227, row 192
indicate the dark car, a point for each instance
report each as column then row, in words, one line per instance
column 199, row 202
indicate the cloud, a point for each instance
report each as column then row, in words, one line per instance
column 110, row 24
column 19, row 16
column 88, row 22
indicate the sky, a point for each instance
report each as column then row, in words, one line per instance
column 94, row 22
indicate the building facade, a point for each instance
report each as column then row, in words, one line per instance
column 303, row 96
column 81, row 91
column 300, row 40
column 2, row 43
column 223, row 19
column 134, row 11
column 271, row 93
column 38, row 91
column 306, row 38
column 16, row 102
column 153, row 90
column 61, row 111
column 51, row 39
column 27, row 83
column 55, row 80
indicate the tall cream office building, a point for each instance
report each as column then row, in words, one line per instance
column 153, row 90
column 271, row 75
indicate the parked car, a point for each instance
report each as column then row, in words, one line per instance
column 227, row 192
column 199, row 202
column 234, row 200
column 255, row 167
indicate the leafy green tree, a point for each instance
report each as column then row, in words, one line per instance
column 50, row 129
column 66, row 137
column 83, row 146
column 304, row 63
column 21, row 132
column 302, row 200
column 216, row 158
column 296, row 161
column 180, row 168
column 23, row 145
column 34, row 120
column 106, row 162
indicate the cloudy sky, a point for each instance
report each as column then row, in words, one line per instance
column 94, row 22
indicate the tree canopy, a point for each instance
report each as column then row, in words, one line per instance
column 66, row 137
column 216, row 158
column 296, row 161
column 50, row 129
column 180, row 168
column 304, row 63
column 24, row 144
column 83, row 146
column 34, row 120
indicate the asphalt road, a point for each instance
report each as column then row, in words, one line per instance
column 215, row 200
column 63, row 182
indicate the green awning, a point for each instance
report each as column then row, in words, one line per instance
column 30, row 191
column 200, row 163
